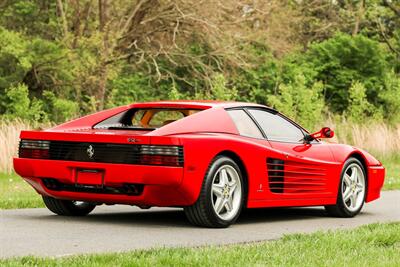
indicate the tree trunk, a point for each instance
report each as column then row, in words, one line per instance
column 63, row 18
column 359, row 17
column 103, row 73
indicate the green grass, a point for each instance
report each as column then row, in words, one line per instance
column 371, row 245
column 392, row 165
column 15, row 193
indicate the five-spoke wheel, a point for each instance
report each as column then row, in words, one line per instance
column 226, row 192
column 222, row 195
column 352, row 189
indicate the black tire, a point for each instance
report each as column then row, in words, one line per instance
column 67, row 207
column 340, row 209
column 202, row 213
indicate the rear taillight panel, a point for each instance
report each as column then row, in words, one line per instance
column 162, row 155
column 36, row 149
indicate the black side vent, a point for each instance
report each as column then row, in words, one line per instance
column 275, row 174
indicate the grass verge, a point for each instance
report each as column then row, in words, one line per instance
column 371, row 245
column 392, row 165
column 15, row 193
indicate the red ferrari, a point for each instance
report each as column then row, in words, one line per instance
column 211, row 158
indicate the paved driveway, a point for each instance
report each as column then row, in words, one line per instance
column 121, row 228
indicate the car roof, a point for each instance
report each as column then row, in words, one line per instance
column 199, row 104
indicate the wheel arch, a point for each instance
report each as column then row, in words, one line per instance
column 236, row 158
column 363, row 161
column 360, row 157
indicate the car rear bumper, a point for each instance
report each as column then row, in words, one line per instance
column 160, row 184
column 376, row 177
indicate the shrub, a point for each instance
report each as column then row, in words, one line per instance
column 128, row 89
column 391, row 98
column 19, row 105
column 59, row 109
column 14, row 59
column 359, row 108
column 219, row 90
column 299, row 102
column 344, row 59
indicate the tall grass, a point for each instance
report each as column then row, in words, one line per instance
column 380, row 139
column 377, row 138
column 9, row 138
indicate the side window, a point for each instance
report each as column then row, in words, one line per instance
column 244, row 124
column 276, row 127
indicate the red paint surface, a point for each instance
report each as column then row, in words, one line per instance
column 314, row 169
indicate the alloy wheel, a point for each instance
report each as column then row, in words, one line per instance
column 353, row 187
column 226, row 192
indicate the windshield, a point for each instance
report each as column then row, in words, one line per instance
column 144, row 119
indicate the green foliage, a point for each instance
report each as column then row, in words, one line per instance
column 18, row 105
column 59, row 109
column 344, row 59
column 128, row 89
column 15, row 60
column 31, row 17
column 174, row 93
column 391, row 98
column 50, row 69
column 299, row 102
column 219, row 91
column 260, row 78
column 359, row 108
column 63, row 69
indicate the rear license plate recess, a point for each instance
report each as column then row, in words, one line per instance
column 89, row 177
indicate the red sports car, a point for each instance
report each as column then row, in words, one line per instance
column 211, row 158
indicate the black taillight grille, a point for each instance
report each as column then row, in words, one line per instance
column 101, row 152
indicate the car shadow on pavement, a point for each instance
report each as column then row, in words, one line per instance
column 262, row 215
column 148, row 218
column 177, row 218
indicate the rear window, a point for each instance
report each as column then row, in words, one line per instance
column 144, row 119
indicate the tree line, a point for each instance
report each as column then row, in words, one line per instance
column 65, row 58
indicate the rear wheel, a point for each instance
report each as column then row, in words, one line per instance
column 68, row 207
column 222, row 195
column 352, row 190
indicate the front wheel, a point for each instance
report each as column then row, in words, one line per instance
column 68, row 207
column 352, row 190
column 222, row 195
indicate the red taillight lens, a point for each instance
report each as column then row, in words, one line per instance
column 160, row 160
column 34, row 149
column 161, row 155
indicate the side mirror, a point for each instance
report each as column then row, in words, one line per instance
column 325, row 132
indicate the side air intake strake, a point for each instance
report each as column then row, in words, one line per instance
column 275, row 175
column 102, row 152
column 295, row 177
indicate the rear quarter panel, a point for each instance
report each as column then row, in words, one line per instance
column 201, row 149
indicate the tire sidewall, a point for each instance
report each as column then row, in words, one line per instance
column 214, row 167
column 340, row 201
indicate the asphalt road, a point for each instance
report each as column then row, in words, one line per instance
column 121, row 228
